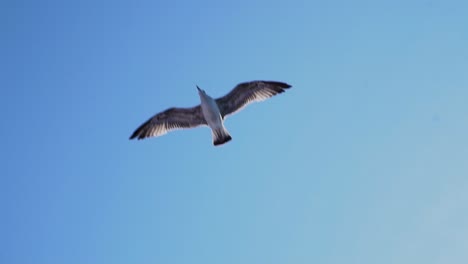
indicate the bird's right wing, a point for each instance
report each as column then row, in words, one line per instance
column 170, row 119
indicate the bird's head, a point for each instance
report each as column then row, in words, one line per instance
column 200, row 91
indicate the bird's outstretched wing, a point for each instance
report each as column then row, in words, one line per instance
column 170, row 119
column 248, row 92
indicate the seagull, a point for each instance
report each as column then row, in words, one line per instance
column 211, row 112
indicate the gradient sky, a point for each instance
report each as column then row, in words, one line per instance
column 364, row 160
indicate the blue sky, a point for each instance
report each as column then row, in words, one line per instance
column 364, row 160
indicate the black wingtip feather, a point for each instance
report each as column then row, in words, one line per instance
column 139, row 132
column 134, row 135
column 279, row 84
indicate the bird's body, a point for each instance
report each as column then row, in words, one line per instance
column 210, row 112
column 213, row 118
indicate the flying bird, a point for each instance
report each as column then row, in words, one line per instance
column 210, row 112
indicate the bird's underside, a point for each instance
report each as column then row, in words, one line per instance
column 184, row 118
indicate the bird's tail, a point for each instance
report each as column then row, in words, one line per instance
column 220, row 136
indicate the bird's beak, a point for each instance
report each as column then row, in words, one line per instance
column 198, row 88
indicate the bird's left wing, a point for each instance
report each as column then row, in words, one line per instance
column 170, row 119
column 248, row 92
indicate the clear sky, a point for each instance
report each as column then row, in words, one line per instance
column 364, row 160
